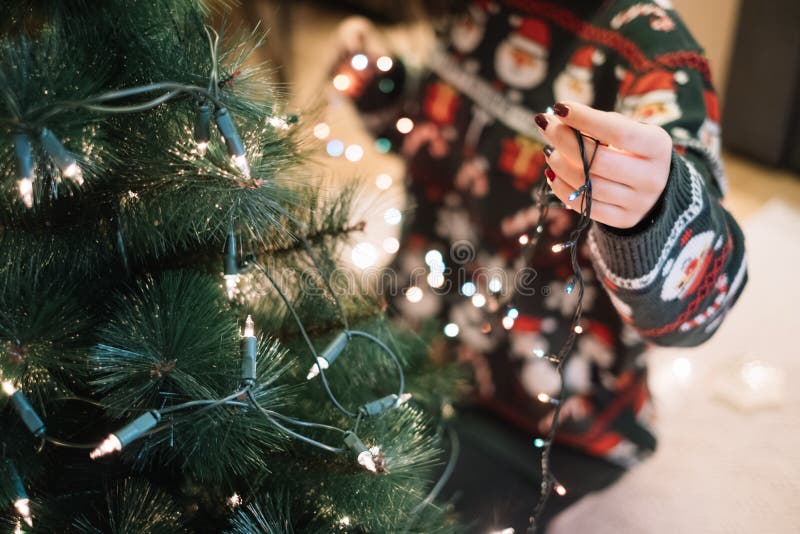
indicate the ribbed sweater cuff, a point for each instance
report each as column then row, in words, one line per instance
column 632, row 255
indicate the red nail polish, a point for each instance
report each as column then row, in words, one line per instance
column 550, row 174
column 541, row 121
column 561, row 110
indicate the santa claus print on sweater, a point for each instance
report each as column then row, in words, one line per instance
column 520, row 60
column 575, row 83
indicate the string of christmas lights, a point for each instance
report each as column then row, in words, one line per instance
column 549, row 482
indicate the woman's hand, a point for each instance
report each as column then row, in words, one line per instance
column 630, row 169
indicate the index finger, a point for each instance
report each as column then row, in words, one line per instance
column 614, row 129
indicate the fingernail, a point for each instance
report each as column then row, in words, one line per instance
column 550, row 174
column 541, row 121
column 547, row 150
column 561, row 110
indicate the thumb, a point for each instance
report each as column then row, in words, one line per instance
column 608, row 127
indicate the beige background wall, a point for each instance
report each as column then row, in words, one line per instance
column 713, row 23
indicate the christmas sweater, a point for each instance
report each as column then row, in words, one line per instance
column 474, row 158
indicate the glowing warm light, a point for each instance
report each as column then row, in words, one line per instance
column 468, row 289
column 543, row 397
column 561, row 490
column 240, row 161
column 23, row 507
column 495, row 285
column 25, row 187
column 435, row 279
column 384, row 63
column 74, row 173
column 249, row 327
column 414, row 294
column 364, row 255
column 383, row 181
column 558, row 247
column 508, row 322
column 335, row 148
column 578, row 329
column 109, row 445
column 404, row 125
column 391, row 245
column 322, row 131
column 231, row 284
column 342, row 82
column 321, row 362
column 524, row 239
column 234, row 500
column 366, row 459
column 202, row 148
column 402, row 399
column 756, row 375
column 392, row 216
column 451, row 329
column 8, row 387
column 345, row 521
column 478, row 300
column 682, row 367
column 354, row 153
column 359, row 62
column 433, row 257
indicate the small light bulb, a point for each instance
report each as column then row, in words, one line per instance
column 202, row 148
column 435, row 279
column 561, row 490
column 354, row 153
column 366, row 459
column 74, row 173
column 231, row 285
column 359, row 62
column 414, row 294
column 508, row 322
column 433, row 257
column 544, row 397
column 392, row 216
column 334, row 148
column 404, row 125
column 524, row 239
column 384, row 63
column 234, row 500
column 478, row 300
column 345, row 521
column 383, row 181
column 495, row 285
column 342, row 82
column 404, row 398
column 513, row 313
column 8, row 387
column 364, row 255
column 451, row 329
column 578, row 329
column 539, row 353
column 314, row 371
column 322, row 131
column 468, row 289
column 240, row 161
column 558, row 247
column 569, row 289
column 249, row 327
column 109, row 445
column 24, row 510
column 538, row 443
column 391, row 245
column 25, row 187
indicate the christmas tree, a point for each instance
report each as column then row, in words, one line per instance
column 175, row 354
